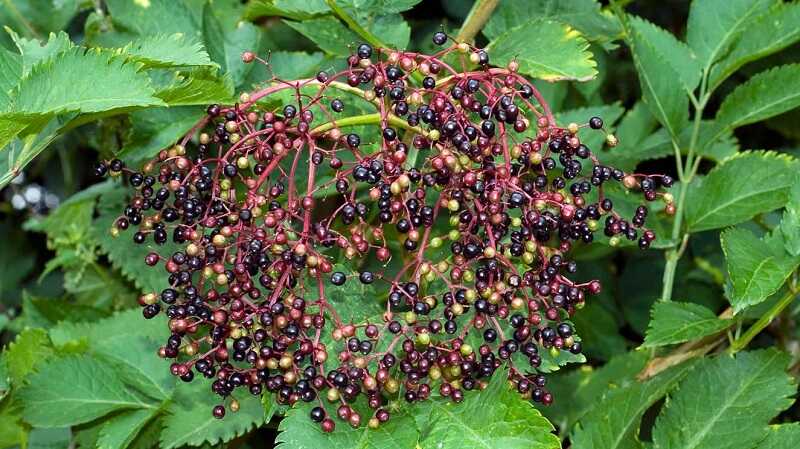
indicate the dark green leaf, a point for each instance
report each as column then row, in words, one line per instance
column 155, row 129
column 330, row 35
column 674, row 52
column 290, row 9
column 726, row 403
column 742, row 186
column 676, row 322
column 790, row 224
column 119, row 431
column 784, row 436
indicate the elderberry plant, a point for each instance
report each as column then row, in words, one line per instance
column 470, row 171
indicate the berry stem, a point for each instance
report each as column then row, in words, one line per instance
column 366, row 119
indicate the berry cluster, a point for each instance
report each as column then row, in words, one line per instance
column 459, row 185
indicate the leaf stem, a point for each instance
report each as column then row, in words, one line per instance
column 478, row 16
column 742, row 342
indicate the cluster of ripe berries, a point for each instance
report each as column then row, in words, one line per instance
column 458, row 186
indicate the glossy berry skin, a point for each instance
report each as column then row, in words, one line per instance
column 455, row 204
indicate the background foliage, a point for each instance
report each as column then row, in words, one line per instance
column 693, row 345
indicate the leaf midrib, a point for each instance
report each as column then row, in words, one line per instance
column 723, row 205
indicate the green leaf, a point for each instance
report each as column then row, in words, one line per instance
column 561, row 53
column 675, row 53
column 155, row 129
column 765, row 95
column 580, row 390
column 756, row 268
column 123, row 253
column 286, row 65
column 584, row 15
column 510, row 422
column 676, row 322
column 38, row 17
column 227, row 41
column 190, row 421
column 29, row 349
column 124, row 326
column 784, row 436
column 145, row 18
column 75, row 390
column 119, row 431
column 10, row 73
column 285, row 8
column 714, row 25
column 599, row 331
column 34, row 51
column 297, row 431
column 164, row 50
column 790, row 224
column 660, row 82
column 770, row 32
column 59, row 84
column 614, row 421
column 330, row 35
column 726, row 403
column 150, row 374
column 200, row 86
column 723, row 197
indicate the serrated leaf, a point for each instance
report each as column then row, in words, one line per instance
column 168, row 51
column 784, row 436
column 330, row 35
column 726, row 403
column 119, row 431
column 772, row 31
column 790, row 224
column 190, row 421
column 150, row 374
column 584, row 15
column 561, row 53
column 29, row 349
column 59, row 84
column 675, row 53
column 152, row 17
column 200, row 86
column 742, row 186
column 33, row 50
column 297, row 431
column 714, row 25
column 756, row 268
column 511, row 422
column 123, row 253
column 75, row 390
column 127, row 324
column 614, row 421
column 765, row 95
column 660, row 82
column 676, row 322
column 10, row 73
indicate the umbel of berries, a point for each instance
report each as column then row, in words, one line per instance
column 458, row 198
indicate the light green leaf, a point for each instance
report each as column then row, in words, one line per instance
column 584, row 15
column 742, row 186
column 660, row 81
column 119, row 431
column 125, row 325
column 714, row 25
column 561, row 53
column 164, row 50
column 675, row 53
column 34, row 51
column 765, row 95
column 726, row 403
column 10, row 73
column 200, row 86
column 614, row 421
column 190, row 421
column 297, row 431
column 676, row 322
column 145, row 18
column 75, row 390
column 29, row 349
column 20, row 152
column 756, row 268
column 330, row 35
column 511, row 422
column 38, row 17
column 770, row 32
column 790, row 224
column 150, row 374
column 784, row 436
column 59, row 84
column 290, row 9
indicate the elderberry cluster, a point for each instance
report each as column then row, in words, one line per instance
column 455, row 185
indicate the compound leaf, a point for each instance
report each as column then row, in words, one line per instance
column 676, row 322
column 726, row 403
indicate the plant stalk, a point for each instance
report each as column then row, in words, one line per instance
column 478, row 16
